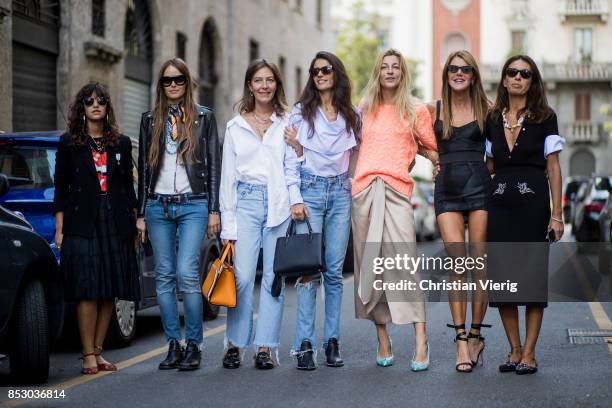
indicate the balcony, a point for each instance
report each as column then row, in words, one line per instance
column 584, row 10
column 582, row 132
column 557, row 72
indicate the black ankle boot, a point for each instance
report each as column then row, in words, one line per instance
column 174, row 357
column 332, row 352
column 263, row 360
column 305, row 357
column 192, row 357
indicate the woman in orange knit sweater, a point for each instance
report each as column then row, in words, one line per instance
column 393, row 130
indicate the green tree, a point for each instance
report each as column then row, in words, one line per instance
column 359, row 40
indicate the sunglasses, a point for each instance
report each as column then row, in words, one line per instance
column 326, row 70
column 90, row 101
column 179, row 80
column 466, row 69
column 511, row 73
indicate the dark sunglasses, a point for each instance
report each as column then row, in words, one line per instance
column 466, row 69
column 90, row 101
column 511, row 73
column 326, row 70
column 179, row 80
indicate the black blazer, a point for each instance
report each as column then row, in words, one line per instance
column 77, row 189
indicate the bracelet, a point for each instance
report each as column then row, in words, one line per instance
column 214, row 212
column 552, row 217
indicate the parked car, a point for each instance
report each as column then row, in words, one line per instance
column 572, row 185
column 605, row 221
column 589, row 203
column 28, row 159
column 31, row 304
column 424, row 214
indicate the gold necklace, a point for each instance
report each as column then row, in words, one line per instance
column 260, row 120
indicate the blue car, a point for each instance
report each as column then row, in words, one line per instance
column 28, row 160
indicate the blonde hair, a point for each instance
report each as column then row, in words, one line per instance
column 480, row 103
column 372, row 96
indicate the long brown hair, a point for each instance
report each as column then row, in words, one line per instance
column 537, row 103
column 247, row 102
column 77, row 121
column 186, row 127
column 341, row 95
column 478, row 97
column 372, row 98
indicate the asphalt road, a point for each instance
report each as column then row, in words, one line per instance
column 569, row 375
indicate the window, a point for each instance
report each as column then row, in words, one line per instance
column 281, row 67
column 583, row 106
column 583, row 45
column 518, row 42
column 98, row 16
column 28, row 167
column 319, row 13
column 298, row 6
column 453, row 42
column 181, row 43
column 253, row 50
column 298, row 82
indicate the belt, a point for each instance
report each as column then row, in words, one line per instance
column 457, row 157
column 177, row 198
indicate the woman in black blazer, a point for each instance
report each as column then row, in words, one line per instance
column 95, row 208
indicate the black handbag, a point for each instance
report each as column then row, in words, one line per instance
column 297, row 255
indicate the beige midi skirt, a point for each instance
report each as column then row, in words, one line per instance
column 383, row 226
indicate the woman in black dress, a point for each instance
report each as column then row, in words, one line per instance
column 94, row 207
column 461, row 188
column 523, row 147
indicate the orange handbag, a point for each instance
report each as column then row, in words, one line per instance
column 219, row 287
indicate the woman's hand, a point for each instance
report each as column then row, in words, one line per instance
column 59, row 238
column 141, row 227
column 557, row 226
column 214, row 225
column 436, row 171
column 299, row 212
column 226, row 241
column 291, row 140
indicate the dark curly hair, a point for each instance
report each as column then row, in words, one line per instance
column 77, row 123
column 341, row 95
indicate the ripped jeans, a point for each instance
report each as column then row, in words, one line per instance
column 328, row 200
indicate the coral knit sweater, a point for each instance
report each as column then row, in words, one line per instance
column 388, row 147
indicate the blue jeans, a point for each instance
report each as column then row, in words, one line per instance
column 190, row 219
column 251, row 215
column 328, row 201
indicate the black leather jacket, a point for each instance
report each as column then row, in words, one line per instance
column 204, row 175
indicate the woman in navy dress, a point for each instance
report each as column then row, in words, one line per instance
column 523, row 152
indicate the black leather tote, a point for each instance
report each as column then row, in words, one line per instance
column 297, row 255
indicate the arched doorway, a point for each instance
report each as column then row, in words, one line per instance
column 207, row 62
column 138, row 43
column 582, row 163
column 35, row 49
column 453, row 42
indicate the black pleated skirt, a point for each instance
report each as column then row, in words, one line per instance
column 103, row 267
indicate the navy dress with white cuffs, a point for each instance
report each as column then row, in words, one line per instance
column 519, row 201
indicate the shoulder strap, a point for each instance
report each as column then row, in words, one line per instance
column 438, row 109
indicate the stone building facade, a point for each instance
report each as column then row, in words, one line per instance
column 53, row 47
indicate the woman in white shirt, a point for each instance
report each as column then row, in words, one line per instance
column 257, row 169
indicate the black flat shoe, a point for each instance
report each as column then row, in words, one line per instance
column 174, row 356
column 192, row 357
column 263, row 361
column 508, row 366
column 332, row 353
column 231, row 358
column 524, row 368
column 305, row 360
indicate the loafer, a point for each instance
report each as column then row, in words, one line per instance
column 231, row 358
column 332, row 353
column 523, row 368
column 305, row 357
column 174, row 357
column 263, row 361
column 192, row 358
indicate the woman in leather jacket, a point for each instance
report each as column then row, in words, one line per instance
column 178, row 191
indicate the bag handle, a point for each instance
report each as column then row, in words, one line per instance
column 292, row 225
column 229, row 250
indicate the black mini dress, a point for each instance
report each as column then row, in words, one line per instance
column 463, row 182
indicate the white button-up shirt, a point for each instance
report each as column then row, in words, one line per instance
column 248, row 159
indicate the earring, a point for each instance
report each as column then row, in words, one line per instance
column 84, row 119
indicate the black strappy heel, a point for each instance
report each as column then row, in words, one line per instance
column 478, row 326
column 461, row 336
